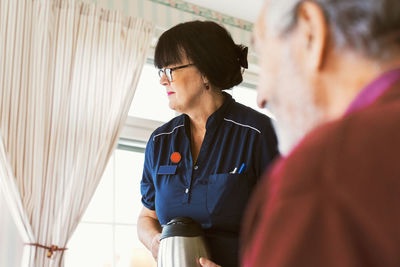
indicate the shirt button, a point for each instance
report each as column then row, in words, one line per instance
column 187, row 190
column 196, row 167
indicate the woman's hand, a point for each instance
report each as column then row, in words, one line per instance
column 155, row 244
column 207, row 263
column 149, row 230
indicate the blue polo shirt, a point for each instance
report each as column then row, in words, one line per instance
column 215, row 189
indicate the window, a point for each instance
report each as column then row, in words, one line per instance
column 247, row 96
column 151, row 100
column 107, row 235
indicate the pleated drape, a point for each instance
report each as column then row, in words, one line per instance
column 68, row 73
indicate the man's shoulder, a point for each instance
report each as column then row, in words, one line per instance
column 356, row 129
column 359, row 141
column 306, row 162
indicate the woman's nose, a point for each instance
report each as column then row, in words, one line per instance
column 164, row 80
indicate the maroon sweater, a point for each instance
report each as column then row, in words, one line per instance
column 335, row 200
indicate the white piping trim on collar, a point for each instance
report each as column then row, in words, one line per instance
column 167, row 132
column 244, row 125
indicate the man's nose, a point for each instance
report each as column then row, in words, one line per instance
column 261, row 100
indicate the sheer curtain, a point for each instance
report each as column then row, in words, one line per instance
column 68, row 72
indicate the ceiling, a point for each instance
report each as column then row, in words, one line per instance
column 242, row 9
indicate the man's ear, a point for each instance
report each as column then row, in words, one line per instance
column 313, row 31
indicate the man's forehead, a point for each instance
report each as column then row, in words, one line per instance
column 259, row 29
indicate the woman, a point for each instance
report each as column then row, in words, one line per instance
column 204, row 163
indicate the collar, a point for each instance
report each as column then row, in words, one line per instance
column 374, row 90
column 217, row 116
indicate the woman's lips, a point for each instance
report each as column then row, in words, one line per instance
column 170, row 93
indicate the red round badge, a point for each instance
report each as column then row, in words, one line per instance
column 176, row 157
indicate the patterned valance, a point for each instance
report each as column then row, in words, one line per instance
column 207, row 13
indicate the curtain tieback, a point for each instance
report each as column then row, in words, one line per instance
column 51, row 249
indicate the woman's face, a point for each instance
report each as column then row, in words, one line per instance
column 185, row 89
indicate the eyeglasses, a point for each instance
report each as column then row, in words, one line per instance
column 168, row 71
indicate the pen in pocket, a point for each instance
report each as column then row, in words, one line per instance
column 234, row 170
column 242, row 168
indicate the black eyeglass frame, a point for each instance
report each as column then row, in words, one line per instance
column 168, row 71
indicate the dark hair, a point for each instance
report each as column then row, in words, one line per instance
column 208, row 46
column 371, row 27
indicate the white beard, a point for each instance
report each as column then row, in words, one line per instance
column 293, row 105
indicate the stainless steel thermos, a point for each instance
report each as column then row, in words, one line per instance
column 182, row 244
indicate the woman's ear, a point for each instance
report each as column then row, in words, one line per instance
column 205, row 81
column 204, row 78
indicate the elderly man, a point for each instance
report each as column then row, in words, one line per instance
column 334, row 198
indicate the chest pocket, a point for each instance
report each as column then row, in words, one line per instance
column 227, row 195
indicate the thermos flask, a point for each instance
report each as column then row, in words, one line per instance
column 182, row 243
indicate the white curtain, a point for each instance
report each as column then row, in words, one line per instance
column 68, row 72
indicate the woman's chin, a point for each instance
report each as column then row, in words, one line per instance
column 172, row 106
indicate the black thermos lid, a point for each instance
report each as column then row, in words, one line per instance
column 181, row 226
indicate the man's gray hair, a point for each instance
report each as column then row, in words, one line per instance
column 369, row 27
